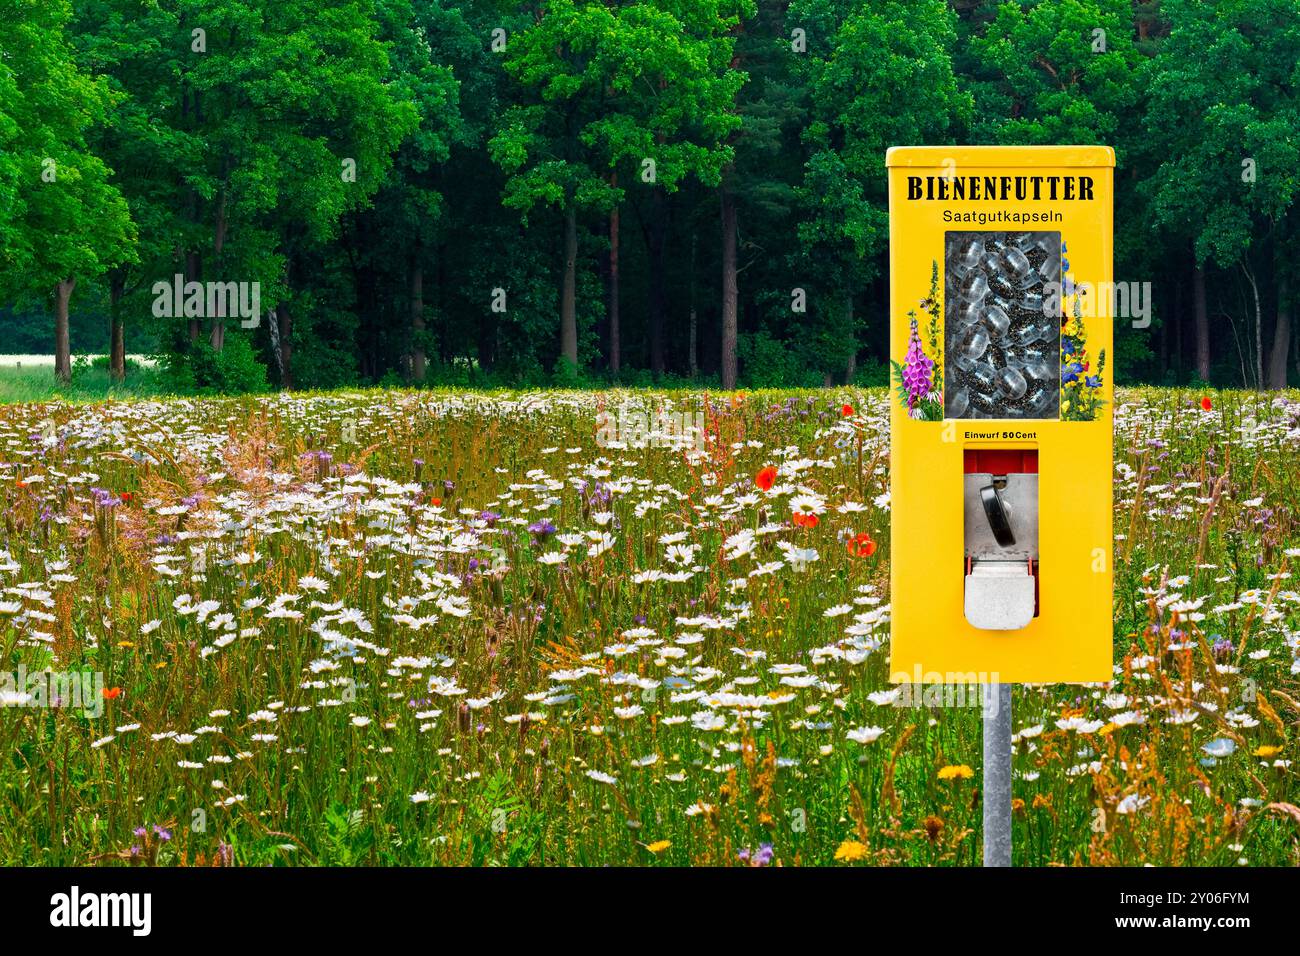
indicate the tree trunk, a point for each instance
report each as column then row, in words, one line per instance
column 568, row 296
column 1202, row 323
column 729, row 290
column 1176, row 315
column 657, row 236
column 851, row 367
column 446, row 351
column 285, row 323
column 217, row 323
column 1257, row 360
column 1281, row 337
column 193, row 270
column 62, row 340
column 117, row 330
column 614, row 344
column 417, row 320
column 1180, row 344
column 692, row 352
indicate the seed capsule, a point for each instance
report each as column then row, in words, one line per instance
column 1016, row 269
column 1026, row 334
column 983, row 402
column 975, row 287
column 1011, row 382
column 968, row 313
column 1039, row 371
column 1025, row 241
column 997, row 320
column 968, row 256
column 975, row 344
column 983, row 376
column 1042, row 401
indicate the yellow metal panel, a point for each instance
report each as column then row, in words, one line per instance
column 1000, row 156
column 1070, row 639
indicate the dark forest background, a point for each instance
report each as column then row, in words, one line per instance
column 575, row 191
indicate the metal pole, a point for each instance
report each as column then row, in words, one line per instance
column 997, row 775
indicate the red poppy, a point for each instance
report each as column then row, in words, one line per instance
column 846, row 411
column 861, row 545
column 802, row 520
column 112, row 693
column 125, row 496
column 766, row 478
column 435, row 502
column 1206, row 403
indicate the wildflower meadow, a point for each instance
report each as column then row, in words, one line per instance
column 426, row 627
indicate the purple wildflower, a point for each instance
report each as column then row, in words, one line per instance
column 760, row 857
column 918, row 370
column 541, row 530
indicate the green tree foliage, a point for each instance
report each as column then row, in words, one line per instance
column 646, row 87
column 1224, row 110
column 61, row 219
column 1059, row 72
column 881, row 75
column 503, row 192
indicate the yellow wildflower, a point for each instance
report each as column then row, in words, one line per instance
column 851, row 851
column 956, row 772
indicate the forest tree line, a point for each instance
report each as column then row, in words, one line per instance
column 489, row 192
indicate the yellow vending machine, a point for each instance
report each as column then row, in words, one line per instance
column 1000, row 463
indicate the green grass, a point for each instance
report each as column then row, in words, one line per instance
column 36, row 383
column 586, row 712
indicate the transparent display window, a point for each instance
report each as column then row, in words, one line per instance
column 1002, row 347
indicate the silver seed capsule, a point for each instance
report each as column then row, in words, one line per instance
column 1039, row 371
column 975, row 287
column 1042, row 400
column 983, row 377
column 983, row 403
column 997, row 320
column 1011, row 382
column 1016, row 268
column 968, row 313
column 969, row 255
column 1026, row 334
column 975, row 344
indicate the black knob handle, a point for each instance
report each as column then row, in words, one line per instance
column 996, row 512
